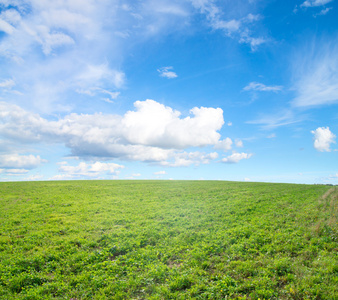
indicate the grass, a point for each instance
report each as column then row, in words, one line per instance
column 168, row 240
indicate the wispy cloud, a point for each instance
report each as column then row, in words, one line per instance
column 166, row 72
column 272, row 121
column 7, row 84
column 224, row 145
column 256, row 86
column 323, row 12
column 186, row 159
column 53, row 49
column 314, row 3
column 160, row 173
column 89, row 170
column 315, row 73
column 239, row 143
column 91, row 92
column 238, row 28
column 236, row 157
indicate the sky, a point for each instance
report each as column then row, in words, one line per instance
column 241, row 90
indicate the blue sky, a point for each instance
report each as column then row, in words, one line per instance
column 159, row 89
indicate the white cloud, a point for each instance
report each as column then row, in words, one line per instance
column 100, row 73
column 91, row 170
column 323, row 12
column 16, row 161
column 229, row 123
column 167, row 7
column 272, row 121
column 5, row 27
column 160, row 173
column 50, row 41
column 157, row 125
column 254, row 42
column 229, row 26
column 256, row 86
column 61, row 177
column 153, row 132
column 94, row 91
column 233, row 27
column 16, row 171
column 53, row 49
column 323, row 138
column 8, row 83
column 236, row 157
column 239, row 143
column 34, row 177
column 165, row 72
column 313, row 3
column 224, row 145
column 113, row 95
column 252, row 18
column 315, row 72
column 136, row 175
column 186, row 159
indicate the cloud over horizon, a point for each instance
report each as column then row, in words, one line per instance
column 151, row 133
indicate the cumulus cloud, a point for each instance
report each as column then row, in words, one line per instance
column 157, row 125
column 256, row 86
column 236, row 157
column 16, row 161
column 165, row 72
column 323, row 138
column 315, row 73
column 152, row 132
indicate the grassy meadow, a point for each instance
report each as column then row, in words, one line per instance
column 168, row 240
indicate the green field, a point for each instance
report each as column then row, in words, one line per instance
column 168, row 240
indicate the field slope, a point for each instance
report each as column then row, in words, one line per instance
column 168, row 240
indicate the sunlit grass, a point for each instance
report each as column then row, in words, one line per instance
column 168, row 240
